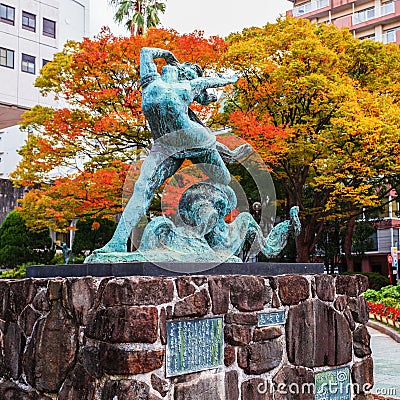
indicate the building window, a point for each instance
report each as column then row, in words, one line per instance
column 6, row 58
column 29, row 21
column 368, row 37
column 309, row 7
column 387, row 8
column 372, row 242
column 44, row 62
column 7, row 14
column 390, row 36
column 28, row 64
column 49, row 28
column 364, row 15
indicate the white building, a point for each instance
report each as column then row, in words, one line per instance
column 31, row 31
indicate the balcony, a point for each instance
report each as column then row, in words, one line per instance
column 340, row 4
column 309, row 7
column 374, row 12
column 342, row 22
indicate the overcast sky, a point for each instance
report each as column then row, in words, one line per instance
column 214, row 17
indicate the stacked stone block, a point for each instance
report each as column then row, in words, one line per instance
column 105, row 338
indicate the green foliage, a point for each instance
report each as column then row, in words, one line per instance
column 138, row 14
column 58, row 259
column 16, row 273
column 79, row 259
column 19, row 245
column 372, row 295
column 388, row 296
column 92, row 234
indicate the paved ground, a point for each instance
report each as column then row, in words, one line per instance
column 386, row 355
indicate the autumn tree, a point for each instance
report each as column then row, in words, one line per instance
column 77, row 156
column 322, row 109
column 138, row 14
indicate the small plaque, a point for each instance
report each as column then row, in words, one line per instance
column 333, row 384
column 194, row 345
column 271, row 318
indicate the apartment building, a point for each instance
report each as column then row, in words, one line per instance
column 385, row 239
column 367, row 19
column 377, row 20
column 31, row 31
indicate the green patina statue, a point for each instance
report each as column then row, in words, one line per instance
column 178, row 135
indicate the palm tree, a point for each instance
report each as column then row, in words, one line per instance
column 138, row 14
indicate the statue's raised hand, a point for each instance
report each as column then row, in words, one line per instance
column 233, row 79
column 170, row 58
column 295, row 224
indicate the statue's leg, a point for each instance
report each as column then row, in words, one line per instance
column 212, row 165
column 155, row 170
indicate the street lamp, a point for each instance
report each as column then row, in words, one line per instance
column 257, row 206
column 257, row 211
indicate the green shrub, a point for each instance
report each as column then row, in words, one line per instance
column 372, row 296
column 19, row 245
column 88, row 238
column 79, row 259
column 388, row 296
column 16, row 273
column 57, row 259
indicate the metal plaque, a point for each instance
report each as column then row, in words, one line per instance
column 271, row 318
column 333, row 384
column 194, row 345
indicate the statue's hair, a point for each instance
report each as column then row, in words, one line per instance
column 183, row 73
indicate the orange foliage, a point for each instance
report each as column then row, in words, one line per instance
column 265, row 138
column 103, row 128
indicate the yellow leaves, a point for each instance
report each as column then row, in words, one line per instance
column 36, row 117
column 359, row 197
column 336, row 98
column 53, row 74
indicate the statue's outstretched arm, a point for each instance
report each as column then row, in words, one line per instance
column 147, row 57
column 231, row 156
column 200, row 84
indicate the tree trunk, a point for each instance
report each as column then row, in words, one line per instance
column 140, row 8
column 347, row 244
column 303, row 254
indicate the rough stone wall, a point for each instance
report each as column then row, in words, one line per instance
column 104, row 338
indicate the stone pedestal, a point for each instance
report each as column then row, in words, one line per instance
column 105, row 337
